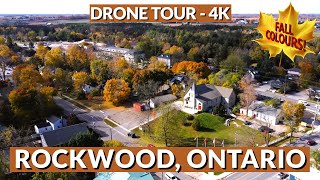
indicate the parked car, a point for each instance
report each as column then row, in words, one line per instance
column 247, row 123
column 282, row 175
column 311, row 142
column 150, row 145
column 265, row 129
column 305, row 103
column 170, row 176
column 132, row 135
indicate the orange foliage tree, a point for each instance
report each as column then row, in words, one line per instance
column 116, row 91
column 194, row 69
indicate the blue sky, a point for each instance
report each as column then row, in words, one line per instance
column 82, row 6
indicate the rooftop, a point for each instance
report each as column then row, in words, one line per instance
column 62, row 135
column 43, row 124
column 53, row 119
column 206, row 92
column 163, row 99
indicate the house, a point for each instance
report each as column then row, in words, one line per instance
column 87, row 88
column 52, row 123
column 258, row 110
column 166, row 58
column 62, row 135
column 42, row 127
column 155, row 102
column 124, row 176
column 129, row 55
column 180, row 79
column 206, row 96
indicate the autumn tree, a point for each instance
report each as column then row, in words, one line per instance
column 41, row 52
column 194, row 54
column 54, row 58
column 292, row 115
column 100, row 70
column 156, row 64
column 248, row 95
column 5, row 58
column 80, row 79
column 77, row 57
column 193, row 69
column 117, row 65
column 116, row 91
column 167, row 126
column 27, row 76
column 63, row 78
column 166, row 46
column 176, row 90
column 307, row 73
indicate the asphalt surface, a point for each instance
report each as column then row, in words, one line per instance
column 302, row 141
column 95, row 120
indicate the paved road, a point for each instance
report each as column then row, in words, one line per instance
column 302, row 141
column 253, row 176
column 95, row 120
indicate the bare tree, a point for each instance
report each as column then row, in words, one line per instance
column 248, row 95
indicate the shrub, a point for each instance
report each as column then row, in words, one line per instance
column 95, row 92
column 190, row 117
column 196, row 125
column 113, row 143
column 236, row 109
column 81, row 95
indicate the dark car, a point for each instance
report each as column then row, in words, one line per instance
column 311, row 142
column 265, row 129
column 282, row 175
column 247, row 123
column 131, row 134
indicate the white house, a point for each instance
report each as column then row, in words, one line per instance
column 206, row 96
column 258, row 110
column 166, row 58
column 52, row 123
column 128, row 54
column 42, row 127
column 87, row 88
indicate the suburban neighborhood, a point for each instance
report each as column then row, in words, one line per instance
column 153, row 85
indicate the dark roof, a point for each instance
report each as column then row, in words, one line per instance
column 162, row 99
column 180, row 78
column 206, row 92
column 43, row 124
column 63, row 135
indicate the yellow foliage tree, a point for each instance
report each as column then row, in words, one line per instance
column 79, row 79
column 54, row 57
column 116, row 91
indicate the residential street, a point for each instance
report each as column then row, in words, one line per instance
column 95, row 119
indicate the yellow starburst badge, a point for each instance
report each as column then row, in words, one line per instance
column 285, row 34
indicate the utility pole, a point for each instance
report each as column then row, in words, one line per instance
column 110, row 133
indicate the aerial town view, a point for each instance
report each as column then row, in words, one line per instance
column 65, row 82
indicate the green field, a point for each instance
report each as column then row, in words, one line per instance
column 212, row 128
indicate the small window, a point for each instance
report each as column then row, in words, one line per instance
column 46, row 129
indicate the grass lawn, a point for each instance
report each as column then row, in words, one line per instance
column 97, row 102
column 213, row 128
column 110, row 123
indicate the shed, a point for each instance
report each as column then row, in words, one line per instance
column 155, row 102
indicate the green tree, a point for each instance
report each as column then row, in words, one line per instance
column 233, row 63
column 196, row 125
column 315, row 155
column 88, row 139
column 99, row 70
column 167, row 126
